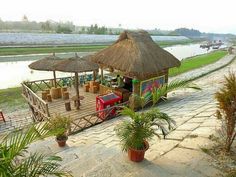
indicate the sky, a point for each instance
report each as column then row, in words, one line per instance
column 205, row 15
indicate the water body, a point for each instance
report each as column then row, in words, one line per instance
column 57, row 39
column 14, row 69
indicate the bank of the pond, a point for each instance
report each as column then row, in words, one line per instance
column 11, row 98
column 73, row 48
column 197, row 62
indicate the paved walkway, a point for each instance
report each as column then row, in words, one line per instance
column 96, row 151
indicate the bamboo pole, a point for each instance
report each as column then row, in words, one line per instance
column 55, row 79
column 77, row 89
column 94, row 76
column 101, row 74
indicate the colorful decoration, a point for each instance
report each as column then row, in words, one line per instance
column 146, row 87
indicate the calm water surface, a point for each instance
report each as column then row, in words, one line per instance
column 14, row 69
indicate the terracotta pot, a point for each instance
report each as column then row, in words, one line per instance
column 137, row 155
column 61, row 141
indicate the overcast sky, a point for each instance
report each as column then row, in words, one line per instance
column 205, row 15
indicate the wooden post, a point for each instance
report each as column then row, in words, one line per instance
column 94, row 76
column 67, row 106
column 55, row 79
column 77, row 89
column 101, row 74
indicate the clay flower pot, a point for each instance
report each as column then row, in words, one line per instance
column 137, row 155
column 61, row 141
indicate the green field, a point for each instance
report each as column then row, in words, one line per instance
column 49, row 49
column 197, row 62
column 73, row 48
column 13, row 99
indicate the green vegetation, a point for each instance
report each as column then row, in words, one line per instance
column 12, row 99
column 227, row 109
column 49, row 49
column 16, row 160
column 74, row 48
column 197, row 62
column 183, row 42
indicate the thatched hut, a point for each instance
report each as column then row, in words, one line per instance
column 137, row 56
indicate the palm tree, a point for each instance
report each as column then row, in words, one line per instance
column 15, row 161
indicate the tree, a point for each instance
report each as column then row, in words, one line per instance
column 188, row 32
column 25, row 18
column 63, row 29
column 46, row 26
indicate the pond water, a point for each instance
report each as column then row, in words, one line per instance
column 53, row 39
column 14, row 69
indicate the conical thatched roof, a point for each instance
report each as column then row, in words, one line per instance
column 46, row 64
column 136, row 54
column 76, row 64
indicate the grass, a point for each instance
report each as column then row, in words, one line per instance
column 73, row 48
column 197, row 62
column 11, row 99
column 49, row 49
column 184, row 42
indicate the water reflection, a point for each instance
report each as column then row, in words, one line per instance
column 14, row 70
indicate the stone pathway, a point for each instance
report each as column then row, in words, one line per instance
column 96, row 151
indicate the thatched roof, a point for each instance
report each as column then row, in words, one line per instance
column 136, row 54
column 46, row 64
column 76, row 64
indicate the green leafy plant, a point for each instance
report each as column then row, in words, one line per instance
column 16, row 161
column 142, row 126
column 226, row 98
column 59, row 125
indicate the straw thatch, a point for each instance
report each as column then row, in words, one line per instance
column 46, row 64
column 136, row 54
column 76, row 64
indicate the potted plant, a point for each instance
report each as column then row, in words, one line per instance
column 59, row 126
column 142, row 126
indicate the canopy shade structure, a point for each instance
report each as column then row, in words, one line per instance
column 135, row 54
column 46, row 64
column 76, row 65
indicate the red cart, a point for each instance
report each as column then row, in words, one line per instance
column 106, row 101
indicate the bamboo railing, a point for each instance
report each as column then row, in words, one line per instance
column 40, row 85
column 97, row 117
column 39, row 106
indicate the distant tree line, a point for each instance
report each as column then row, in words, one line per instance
column 188, row 32
column 68, row 27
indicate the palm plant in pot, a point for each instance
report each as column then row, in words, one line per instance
column 135, row 133
column 142, row 126
column 59, row 126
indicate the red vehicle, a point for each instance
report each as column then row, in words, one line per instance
column 106, row 101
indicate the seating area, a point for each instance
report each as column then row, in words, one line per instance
column 62, row 100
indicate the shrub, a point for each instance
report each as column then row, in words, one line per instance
column 226, row 98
